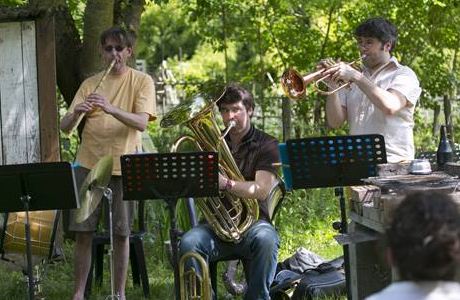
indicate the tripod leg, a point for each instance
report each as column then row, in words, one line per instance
column 174, row 243
column 343, row 228
column 108, row 195
column 30, row 274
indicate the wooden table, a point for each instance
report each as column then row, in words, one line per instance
column 370, row 210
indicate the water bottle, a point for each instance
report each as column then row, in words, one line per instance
column 444, row 153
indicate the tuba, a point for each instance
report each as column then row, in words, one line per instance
column 228, row 215
column 193, row 284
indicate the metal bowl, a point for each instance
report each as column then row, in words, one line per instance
column 420, row 167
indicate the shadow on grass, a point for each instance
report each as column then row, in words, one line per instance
column 57, row 282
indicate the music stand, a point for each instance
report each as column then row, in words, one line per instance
column 170, row 176
column 335, row 161
column 25, row 187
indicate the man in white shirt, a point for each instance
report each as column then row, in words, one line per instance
column 424, row 248
column 382, row 98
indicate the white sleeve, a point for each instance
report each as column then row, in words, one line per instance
column 405, row 81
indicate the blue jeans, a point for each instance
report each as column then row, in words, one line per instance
column 259, row 245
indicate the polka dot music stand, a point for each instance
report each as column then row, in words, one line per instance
column 333, row 161
column 170, row 176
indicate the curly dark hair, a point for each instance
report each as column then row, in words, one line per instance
column 235, row 93
column 378, row 28
column 121, row 36
column 424, row 237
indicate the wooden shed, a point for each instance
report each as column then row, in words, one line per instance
column 28, row 109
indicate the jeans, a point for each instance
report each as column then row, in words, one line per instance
column 259, row 245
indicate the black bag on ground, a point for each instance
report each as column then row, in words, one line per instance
column 315, row 284
column 327, row 279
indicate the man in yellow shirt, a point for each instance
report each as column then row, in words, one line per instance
column 116, row 114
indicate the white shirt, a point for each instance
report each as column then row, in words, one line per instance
column 365, row 118
column 424, row 290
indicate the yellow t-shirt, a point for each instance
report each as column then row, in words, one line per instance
column 103, row 134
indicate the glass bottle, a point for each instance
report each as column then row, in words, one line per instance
column 444, row 153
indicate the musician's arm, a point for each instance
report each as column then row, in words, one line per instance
column 135, row 120
column 68, row 121
column 389, row 101
column 257, row 189
column 336, row 114
column 76, row 111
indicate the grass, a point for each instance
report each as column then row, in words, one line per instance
column 304, row 221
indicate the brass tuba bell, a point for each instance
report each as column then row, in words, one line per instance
column 194, row 285
column 228, row 215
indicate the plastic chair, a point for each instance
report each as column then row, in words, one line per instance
column 136, row 255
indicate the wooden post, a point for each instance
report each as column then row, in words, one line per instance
column 28, row 109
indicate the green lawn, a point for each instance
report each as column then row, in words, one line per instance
column 304, row 221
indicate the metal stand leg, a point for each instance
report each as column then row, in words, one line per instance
column 108, row 195
column 174, row 243
column 342, row 227
column 30, row 274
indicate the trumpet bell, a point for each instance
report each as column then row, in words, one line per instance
column 293, row 84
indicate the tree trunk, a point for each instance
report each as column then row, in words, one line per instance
column 287, row 118
column 76, row 60
column 448, row 118
column 129, row 15
column 98, row 17
column 132, row 15
column 318, row 105
column 68, row 46
column 436, row 113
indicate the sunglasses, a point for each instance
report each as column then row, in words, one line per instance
column 118, row 48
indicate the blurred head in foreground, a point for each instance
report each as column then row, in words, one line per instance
column 424, row 237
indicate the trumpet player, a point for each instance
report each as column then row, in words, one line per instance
column 382, row 98
column 254, row 152
column 116, row 112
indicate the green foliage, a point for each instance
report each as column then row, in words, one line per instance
column 165, row 33
column 13, row 2
column 425, row 138
column 77, row 9
column 305, row 219
column 69, row 142
column 242, row 40
column 269, row 36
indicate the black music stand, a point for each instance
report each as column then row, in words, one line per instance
column 335, row 161
column 170, row 176
column 26, row 187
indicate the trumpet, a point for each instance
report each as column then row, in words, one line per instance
column 104, row 76
column 295, row 85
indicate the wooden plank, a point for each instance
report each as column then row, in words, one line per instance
column 391, row 169
column 368, row 270
column 376, row 226
column 12, row 95
column 363, row 195
column 30, row 91
column 452, row 168
column 46, row 70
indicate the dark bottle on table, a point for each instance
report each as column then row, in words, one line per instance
column 444, row 153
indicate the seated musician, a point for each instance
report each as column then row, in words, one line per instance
column 254, row 152
column 424, row 247
column 116, row 115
